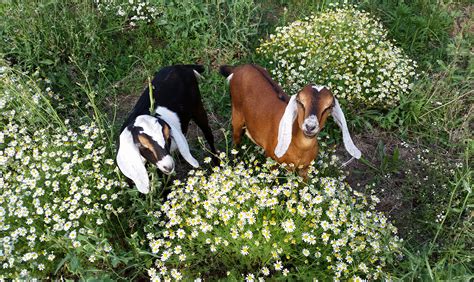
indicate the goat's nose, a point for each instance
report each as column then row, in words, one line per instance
column 168, row 168
column 310, row 127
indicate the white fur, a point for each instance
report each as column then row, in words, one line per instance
column 249, row 136
column 166, row 164
column 310, row 121
column 197, row 74
column 229, row 77
column 338, row 116
column 151, row 127
column 319, row 87
column 129, row 159
column 130, row 162
column 177, row 135
column 285, row 128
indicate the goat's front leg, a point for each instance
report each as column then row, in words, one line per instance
column 303, row 172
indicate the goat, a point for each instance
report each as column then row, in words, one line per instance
column 285, row 127
column 152, row 136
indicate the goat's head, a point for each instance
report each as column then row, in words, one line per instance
column 149, row 138
column 311, row 108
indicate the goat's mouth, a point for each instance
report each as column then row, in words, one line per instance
column 310, row 134
column 167, row 171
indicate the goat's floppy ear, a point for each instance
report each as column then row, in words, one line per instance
column 286, row 127
column 182, row 144
column 130, row 162
column 338, row 116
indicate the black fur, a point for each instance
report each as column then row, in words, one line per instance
column 176, row 88
column 226, row 70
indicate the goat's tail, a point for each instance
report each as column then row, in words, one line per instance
column 226, row 70
column 198, row 68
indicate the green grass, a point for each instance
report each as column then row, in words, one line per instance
column 437, row 118
column 421, row 27
column 95, row 62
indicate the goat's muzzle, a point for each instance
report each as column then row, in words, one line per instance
column 166, row 165
column 310, row 126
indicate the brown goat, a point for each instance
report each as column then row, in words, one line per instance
column 267, row 115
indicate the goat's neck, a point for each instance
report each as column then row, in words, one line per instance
column 301, row 141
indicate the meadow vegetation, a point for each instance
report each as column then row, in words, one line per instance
column 71, row 70
column 345, row 49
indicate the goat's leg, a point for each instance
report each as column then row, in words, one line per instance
column 237, row 127
column 200, row 117
column 303, row 172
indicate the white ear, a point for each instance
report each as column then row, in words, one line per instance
column 286, row 127
column 182, row 144
column 171, row 118
column 338, row 116
column 130, row 162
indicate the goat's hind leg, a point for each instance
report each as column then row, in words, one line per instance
column 238, row 129
column 200, row 117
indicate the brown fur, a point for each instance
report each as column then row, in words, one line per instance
column 147, row 148
column 258, row 108
column 166, row 131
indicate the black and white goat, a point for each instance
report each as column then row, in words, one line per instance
column 152, row 136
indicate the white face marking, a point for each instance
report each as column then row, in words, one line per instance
column 319, row 87
column 230, row 77
column 166, row 164
column 152, row 128
column 312, row 123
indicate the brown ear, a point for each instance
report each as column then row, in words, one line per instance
column 324, row 104
column 166, row 131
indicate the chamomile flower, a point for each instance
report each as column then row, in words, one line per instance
column 226, row 211
column 346, row 50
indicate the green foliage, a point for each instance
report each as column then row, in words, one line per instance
column 82, row 59
column 421, row 27
column 208, row 31
column 134, row 12
column 258, row 222
column 447, row 252
column 438, row 107
column 344, row 49
column 69, row 41
column 58, row 187
column 85, row 41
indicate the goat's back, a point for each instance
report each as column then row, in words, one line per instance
column 174, row 87
column 256, row 98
